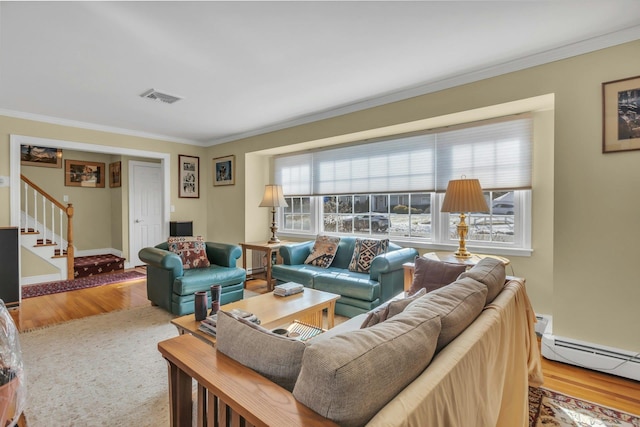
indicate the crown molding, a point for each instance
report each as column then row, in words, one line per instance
column 471, row 76
column 96, row 127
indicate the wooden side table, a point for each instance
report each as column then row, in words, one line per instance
column 409, row 267
column 269, row 249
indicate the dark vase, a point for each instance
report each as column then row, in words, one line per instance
column 215, row 299
column 200, row 308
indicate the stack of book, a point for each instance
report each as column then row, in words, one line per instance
column 208, row 325
column 287, row 289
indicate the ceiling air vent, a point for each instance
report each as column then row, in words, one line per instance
column 159, row 96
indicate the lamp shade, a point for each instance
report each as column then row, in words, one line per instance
column 273, row 197
column 464, row 195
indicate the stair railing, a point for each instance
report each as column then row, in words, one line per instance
column 42, row 207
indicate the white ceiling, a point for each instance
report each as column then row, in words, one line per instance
column 248, row 67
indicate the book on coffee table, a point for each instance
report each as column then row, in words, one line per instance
column 286, row 289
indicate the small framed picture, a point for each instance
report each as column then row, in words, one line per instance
column 224, row 170
column 621, row 115
column 189, row 175
column 30, row 155
column 79, row 173
column 114, row 174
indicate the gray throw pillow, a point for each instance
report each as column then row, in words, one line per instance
column 389, row 309
column 489, row 271
column 458, row 305
column 274, row 356
column 381, row 360
column 431, row 275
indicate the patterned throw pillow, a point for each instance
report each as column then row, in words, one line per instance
column 323, row 252
column 364, row 252
column 192, row 251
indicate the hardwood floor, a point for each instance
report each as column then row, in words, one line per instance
column 608, row 390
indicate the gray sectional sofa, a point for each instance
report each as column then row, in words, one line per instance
column 479, row 330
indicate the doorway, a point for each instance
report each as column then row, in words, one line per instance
column 163, row 178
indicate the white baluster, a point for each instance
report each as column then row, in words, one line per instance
column 35, row 210
column 26, row 207
column 53, row 222
column 60, row 232
column 44, row 220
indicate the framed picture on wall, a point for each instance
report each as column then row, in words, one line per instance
column 30, row 155
column 224, row 170
column 114, row 174
column 621, row 115
column 80, row 173
column 189, row 175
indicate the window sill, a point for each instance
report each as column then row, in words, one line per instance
column 492, row 250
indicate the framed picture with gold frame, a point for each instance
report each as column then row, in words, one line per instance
column 224, row 170
column 114, row 174
column 31, row 155
column 621, row 115
column 80, row 173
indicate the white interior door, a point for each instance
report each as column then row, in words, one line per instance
column 145, row 202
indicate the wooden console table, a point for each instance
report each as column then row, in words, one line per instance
column 409, row 267
column 269, row 249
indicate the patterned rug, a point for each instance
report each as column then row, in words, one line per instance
column 40, row 289
column 550, row 408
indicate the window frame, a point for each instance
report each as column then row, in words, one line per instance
column 440, row 239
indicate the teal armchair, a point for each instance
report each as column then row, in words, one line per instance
column 172, row 287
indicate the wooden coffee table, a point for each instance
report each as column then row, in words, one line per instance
column 273, row 311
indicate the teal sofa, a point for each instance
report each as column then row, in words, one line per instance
column 172, row 287
column 359, row 292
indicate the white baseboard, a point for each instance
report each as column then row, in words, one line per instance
column 32, row 280
column 596, row 357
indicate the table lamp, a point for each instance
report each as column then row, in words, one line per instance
column 464, row 195
column 273, row 198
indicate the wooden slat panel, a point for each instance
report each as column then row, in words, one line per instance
column 258, row 400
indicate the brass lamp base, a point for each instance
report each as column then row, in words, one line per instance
column 463, row 229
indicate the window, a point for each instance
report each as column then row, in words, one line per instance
column 297, row 216
column 394, row 187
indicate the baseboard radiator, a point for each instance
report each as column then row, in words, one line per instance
column 257, row 263
column 598, row 358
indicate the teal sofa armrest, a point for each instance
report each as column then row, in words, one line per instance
column 296, row 253
column 390, row 261
column 223, row 254
column 162, row 259
column 387, row 270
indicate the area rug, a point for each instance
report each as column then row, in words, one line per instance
column 40, row 289
column 103, row 370
column 550, row 408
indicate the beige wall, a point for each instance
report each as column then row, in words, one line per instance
column 584, row 237
column 582, row 270
column 101, row 203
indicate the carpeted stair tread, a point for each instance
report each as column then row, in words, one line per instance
column 86, row 266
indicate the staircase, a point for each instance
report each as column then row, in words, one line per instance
column 43, row 223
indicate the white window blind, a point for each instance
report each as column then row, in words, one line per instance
column 294, row 174
column 498, row 154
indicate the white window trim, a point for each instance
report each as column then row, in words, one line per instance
column 440, row 240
